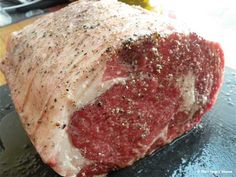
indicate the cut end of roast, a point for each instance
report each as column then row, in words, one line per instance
column 169, row 82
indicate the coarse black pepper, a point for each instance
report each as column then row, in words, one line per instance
column 63, row 126
column 99, row 104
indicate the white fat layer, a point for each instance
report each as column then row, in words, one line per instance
column 187, row 86
column 73, row 159
column 61, row 146
column 92, row 88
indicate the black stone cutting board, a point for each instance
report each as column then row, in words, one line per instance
column 208, row 150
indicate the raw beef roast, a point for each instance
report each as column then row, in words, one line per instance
column 100, row 84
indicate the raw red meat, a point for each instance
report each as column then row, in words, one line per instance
column 171, row 82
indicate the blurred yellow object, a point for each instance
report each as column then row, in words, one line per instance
column 2, row 79
column 143, row 3
column 153, row 5
column 5, row 33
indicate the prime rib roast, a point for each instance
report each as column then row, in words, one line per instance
column 101, row 84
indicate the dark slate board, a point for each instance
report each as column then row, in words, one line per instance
column 208, row 150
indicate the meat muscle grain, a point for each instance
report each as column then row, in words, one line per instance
column 100, row 84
